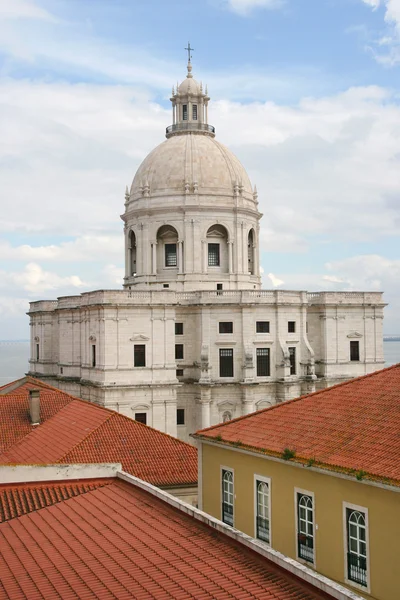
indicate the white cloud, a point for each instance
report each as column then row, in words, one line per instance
column 35, row 280
column 390, row 40
column 374, row 3
column 274, row 280
column 23, row 9
column 244, row 7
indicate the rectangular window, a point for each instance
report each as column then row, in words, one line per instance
column 262, row 501
column 194, row 111
column 93, row 355
column 356, row 532
column 184, row 112
column 37, row 352
column 141, row 417
column 292, row 357
column 213, row 255
column 262, row 327
column 226, row 362
column 179, row 372
column 263, row 362
column 180, row 416
column 225, row 327
column 354, row 350
column 291, row 326
column 170, row 255
column 305, row 527
column 227, row 497
column 139, row 355
column 178, row 351
column 178, row 328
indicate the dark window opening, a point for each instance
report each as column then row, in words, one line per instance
column 184, row 112
column 180, row 416
column 262, row 327
column 194, row 112
column 292, row 357
column 226, row 327
column 139, row 355
column 262, row 489
column 37, row 352
column 219, row 289
column 178, row 328
column 141, row 417
column 291, row 327
column 179, row 372
column 171, row 259
column 354, row 351
column 226, row 362
column 178, row 351
column 165, row 285
column 263, row 362
column 356, row 546
column 213, row 255
column 93, row 355
column 305, row 527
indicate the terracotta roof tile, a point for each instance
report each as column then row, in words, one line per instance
column 117, row 541
column 82, row 432
column 353, row 426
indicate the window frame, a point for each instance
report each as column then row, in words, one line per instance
column 263, row 322
column 37, row 351
column 233, row 366
column 225, row 323
column 185, row 112
column 194, row 112
column 293, row 364
column 181, row 412
column 145, row 417
column 179, row 352
column 136, row 366
column 93, row 357
column 224, row 469
column 217, row 254
column 267, row 480
column 268, row 362
column 347, row 506
column 291, row 326
column 178, row 325
column 352, row 345
column 168, row 255
column 301, row 492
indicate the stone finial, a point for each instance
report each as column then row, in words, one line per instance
column 173, row 90
column 126, row 194
column 255, row 193
column 241, row 188
column 201, row 86
column 206, row 90
column 195, row 187
column 236, row 188
column 146, row 189
column 187, row 187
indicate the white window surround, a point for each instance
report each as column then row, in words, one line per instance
column 311, row 494
column 364, row 510
column 266, row 480
column 222, row 469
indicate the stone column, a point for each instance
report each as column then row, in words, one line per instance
column 154, row 258
column 180, row 256
column 206, row 112
column 205, row 256
column 248, row 399
column 244, row 251
column 128, row 255
column 139, row 268
column 230, row 249
column 205, row 401
column 173, row 113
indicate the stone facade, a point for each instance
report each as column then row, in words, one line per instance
column 192, row 339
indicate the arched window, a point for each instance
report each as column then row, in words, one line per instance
column 226, row 416
column 262, row 525
column 250, row 251
column 217, row 249
column 227, row 497
column 167, row 248
column 305, row 527
column 356, row 547
column 132, row 253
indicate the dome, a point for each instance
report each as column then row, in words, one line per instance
column 189, row 86
column 191, row 163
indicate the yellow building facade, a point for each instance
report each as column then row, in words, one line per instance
column 344, row 526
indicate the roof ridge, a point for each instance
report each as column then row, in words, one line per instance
column 298, row 398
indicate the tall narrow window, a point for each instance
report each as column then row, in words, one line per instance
column 291, row 327
column 262, row 507
column 170, row 255
column 178, row 328
column 263, row 362
column 356, row 546
column 226, row 362
column 180, row 416
column 184, row 112
column 93, row 355
column 194, row 112
column 213, row 255
column 178, row 351
column 305, row 527
column 227, row 497
column 37, row 352
column 354, row 350
column 292, row 357
column 139, row 359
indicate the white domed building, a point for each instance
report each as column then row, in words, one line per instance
column 192, row 339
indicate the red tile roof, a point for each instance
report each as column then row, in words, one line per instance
column 350, row 427
column 21, row 499
column 82, row 432
column 119, row 541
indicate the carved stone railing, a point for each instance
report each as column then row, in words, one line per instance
column 345, row 298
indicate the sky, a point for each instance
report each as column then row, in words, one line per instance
column 305, row 92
